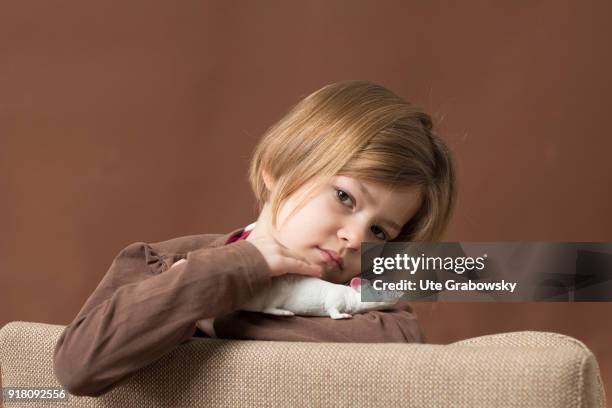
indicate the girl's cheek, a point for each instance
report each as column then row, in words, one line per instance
column 334, row 208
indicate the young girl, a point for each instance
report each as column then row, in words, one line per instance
column 350, row 163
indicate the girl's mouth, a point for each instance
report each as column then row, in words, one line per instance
column 327, row 257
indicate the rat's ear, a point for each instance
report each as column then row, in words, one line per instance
column 356, row 284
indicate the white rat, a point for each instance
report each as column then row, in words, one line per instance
column 293, row 294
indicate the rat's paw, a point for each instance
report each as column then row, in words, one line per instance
column 338, row 315
column 278, row 312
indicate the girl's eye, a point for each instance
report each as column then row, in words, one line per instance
column 342, row 196
column 384, row 238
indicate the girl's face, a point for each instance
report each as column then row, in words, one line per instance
column 338, row 217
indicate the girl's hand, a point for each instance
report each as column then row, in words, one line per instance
column 283, row 260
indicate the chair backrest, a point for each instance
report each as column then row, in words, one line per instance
column 534, row 369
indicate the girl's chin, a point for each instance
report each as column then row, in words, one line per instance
column 332, row 277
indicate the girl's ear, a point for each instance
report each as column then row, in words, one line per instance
column 268, row 180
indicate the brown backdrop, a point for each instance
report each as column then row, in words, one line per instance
column 124, row 121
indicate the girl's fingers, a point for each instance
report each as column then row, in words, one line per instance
column 306, row 268
column 287, row 253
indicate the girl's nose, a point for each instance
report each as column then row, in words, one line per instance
column 351, row 237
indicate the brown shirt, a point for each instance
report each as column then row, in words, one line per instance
column 142, row 309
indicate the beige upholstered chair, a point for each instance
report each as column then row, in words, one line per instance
column 518, row 369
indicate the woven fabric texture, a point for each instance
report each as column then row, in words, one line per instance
column 518, row 369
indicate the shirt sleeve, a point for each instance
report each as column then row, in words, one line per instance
column 142, row 309
column 397, row 325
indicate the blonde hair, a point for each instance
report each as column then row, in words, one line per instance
column 362, row 130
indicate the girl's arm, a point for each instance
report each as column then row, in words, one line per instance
column 137, row 314
column 398, row 325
